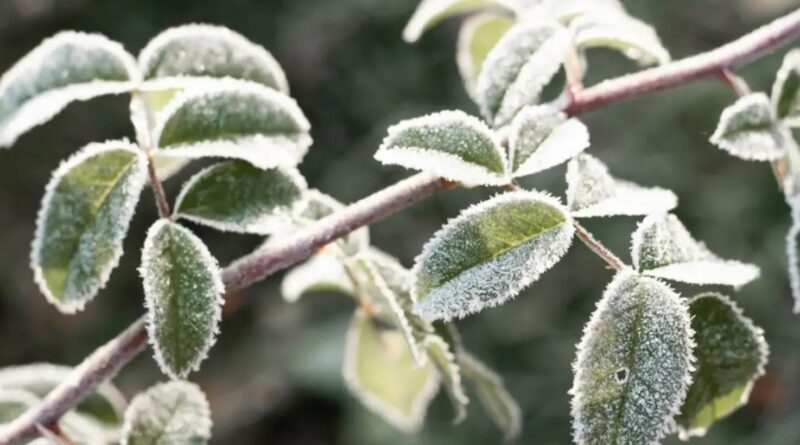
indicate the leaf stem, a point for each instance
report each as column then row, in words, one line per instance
column 145, row 139
column 597, row 247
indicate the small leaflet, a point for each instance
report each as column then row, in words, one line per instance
column 317, row 205
column 748, row 130
column 381, row 373
column 183, row 295
column 593, row 192
column 633, row 365
column 731, row 355
column 83, row 219
column 323, row 272
column 615, row 29
column 519, row 67
column 235, row 196
column 477, row 36
column 70, row 66
column 786, row 90
column 445, row 360
column 234, row 119
column 541, row 137
column 190, row 54
column 169, row 413
column 662, row 247
column 450, row 144
column 489, row 253
column 493, row 395
column 431, row 12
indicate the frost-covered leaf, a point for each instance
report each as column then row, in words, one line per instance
column 519, row 67
column 786, row 90
column 14, row 402
column 635, row 39
column 633, row 364
column 168, row 414
column 731, row 354
column 381, row 373
column 493, row 395
column 83, row 220
column 183, row 55
column 747, row 129
column 477, row 36
column 541, row 137
column 662, row 247
column 592, row 191
column 238, row 197
column 318, row 205
column 323, row 272
column 793, row 255
column 183, row 294
column 431, row 12
column 70, row 66
column 567, row 10
column 106, row 405
column 450, row 144
column 234, row 119
column 489, row 253
column 445, row 360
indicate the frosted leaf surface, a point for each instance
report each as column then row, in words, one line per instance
column 662, row 247
column 431, row 12
column 592, row 191
column 489, row 253
column 185, row 53
column 633, row 364
column 14, row 402
column 323, row 272
column 168, row 414
column 70, row 66
column 633, row 38
column 731, row 354
column 317, row 205
column 444, row 359
column 541, row 137
column 450, row 144
column 747, row 129
column 519, row 67
column 234, row 119
column 238, row 197
column 381, row 373
column 493, row 395
column 83, row 219
column 793, row 255
column 786, row 89
column 183, row 294
column 476, row 37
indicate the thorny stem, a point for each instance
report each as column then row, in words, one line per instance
column 104, row 363
column 597, row 247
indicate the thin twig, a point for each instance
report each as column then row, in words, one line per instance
column 597, row 247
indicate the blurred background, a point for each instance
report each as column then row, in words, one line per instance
column 274, row 375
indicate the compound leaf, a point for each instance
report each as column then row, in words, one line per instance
column 493, row 395
column 83, row 220
column 489, row 253
column 747, row 129
column 634, row 364
column 168, row 413
column 183, row 294
column 431, row 12
column 477, row 36
column 786, row 90
column 615, row 29
column 323, row 272
column 450, row 144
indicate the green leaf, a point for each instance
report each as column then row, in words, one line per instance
column 238, row 197
column 518, row 68
column 592, row 191
column 786, row 89
column 617, row 30
column 70, row 66
column 324, row 272
column 634, row 364
column 234, row 119
column 493, row 395
column 450, row 144
column 477, row 36
column 731, row 354
column 381, row 373
column 446, row 362
column 747, row 129
column 83, row 220
column 168, row 414
column 183, row 290
column 662, row 247
column 490, row 253
column 317, row 206
column 541, row 137
column 14, row 402
column 431, row 12
column 183, row 55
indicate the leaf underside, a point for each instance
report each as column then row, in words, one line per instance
column 748, row 130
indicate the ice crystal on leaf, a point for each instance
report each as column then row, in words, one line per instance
column 430, row 12
column 793, row 254
column 444, row 359
column 477, row 36
column 494, row 396
column 748, row 130
column 489, row 253
column 168, row 414
column 615, row 29
column 592, row 191
column 662, row 247
column 323, row 272
column 450, row 144
column 786, row 90
column 640, row 325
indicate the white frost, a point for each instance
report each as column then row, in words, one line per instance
column 430, row 12
column 614, row 28
column 323, row 271
column 169, row 413
column 790, row 67
column 747, row 129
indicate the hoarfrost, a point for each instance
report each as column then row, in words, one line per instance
column 430, row 12
column 747, row 129
column 323, row 272
column 166, row 414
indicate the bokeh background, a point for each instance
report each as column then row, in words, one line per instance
column 274, row 375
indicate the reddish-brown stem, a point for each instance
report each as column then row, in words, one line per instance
column 597, row 247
